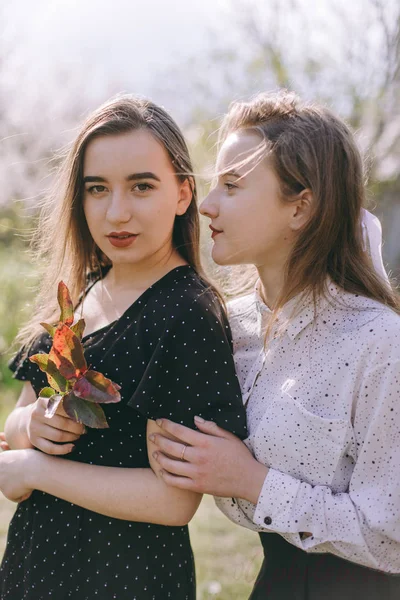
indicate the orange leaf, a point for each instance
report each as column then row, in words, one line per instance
column 65, row 302
column 67, row 353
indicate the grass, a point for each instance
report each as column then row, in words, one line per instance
column 228, row 557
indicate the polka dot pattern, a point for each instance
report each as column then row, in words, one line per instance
column 323, row 408
column 171, row 352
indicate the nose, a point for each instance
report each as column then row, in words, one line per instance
column 209, row 206
column 119, row 210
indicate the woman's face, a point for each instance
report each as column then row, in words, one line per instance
column 131, row 197
column 253, row 223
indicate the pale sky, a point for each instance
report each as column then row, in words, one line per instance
column 131, row 42
column 93, row 48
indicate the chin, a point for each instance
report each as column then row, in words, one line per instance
column 221, row 259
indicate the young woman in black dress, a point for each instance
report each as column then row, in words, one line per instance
column 95, row 520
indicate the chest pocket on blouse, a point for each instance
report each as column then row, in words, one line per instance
column 300, row 443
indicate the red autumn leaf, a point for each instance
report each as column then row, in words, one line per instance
column 54, row 377
column 67, row 353
column 94, row 387
column 65, row 302
column 66, row 370
column 88, row 413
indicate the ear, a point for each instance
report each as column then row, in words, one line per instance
column 185, row 196
column 302, row 210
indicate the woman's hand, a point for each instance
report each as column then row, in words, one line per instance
column 43, row 433
column 212, row 462
column 15, row 467
column 3, row 442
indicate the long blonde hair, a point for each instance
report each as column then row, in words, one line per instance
column 310, row 148
column 63, row 245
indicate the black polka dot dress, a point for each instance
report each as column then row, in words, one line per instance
column 171, row 353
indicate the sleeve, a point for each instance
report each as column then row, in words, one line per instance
column 23, row 368
column 191, row 372
column 362, row 525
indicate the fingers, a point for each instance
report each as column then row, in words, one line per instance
column 176, row 467
column 43, row 432
column 60, row 420
column 54, row 449
column 184, row 483
column 182, row 433
column 170, row 447
column 3, row 444
column 65, row 424
column 47, row 429
column 56, row 435
column 212, row 428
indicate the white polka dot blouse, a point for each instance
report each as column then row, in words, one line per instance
column 323, row 409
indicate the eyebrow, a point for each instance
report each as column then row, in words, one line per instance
column 231, row 174
column 132, row 177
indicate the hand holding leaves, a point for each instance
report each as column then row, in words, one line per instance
column 71, row 382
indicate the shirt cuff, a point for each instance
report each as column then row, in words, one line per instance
column 275, row 506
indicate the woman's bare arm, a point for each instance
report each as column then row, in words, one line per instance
column 134, row 494
column 17, row 422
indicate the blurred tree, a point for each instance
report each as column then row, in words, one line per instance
column 346, row 55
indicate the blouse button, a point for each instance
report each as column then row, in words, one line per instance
column 268, row 520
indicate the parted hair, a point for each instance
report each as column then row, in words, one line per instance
column 62, row 242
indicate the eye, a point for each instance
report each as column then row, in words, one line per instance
column 96, row 189
column 230, row 186
column 143, row 187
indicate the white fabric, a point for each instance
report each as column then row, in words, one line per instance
column 324, row 414
column 372, row 235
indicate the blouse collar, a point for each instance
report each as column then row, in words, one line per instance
column 299, row 311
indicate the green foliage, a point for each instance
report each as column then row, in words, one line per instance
column 17, row 281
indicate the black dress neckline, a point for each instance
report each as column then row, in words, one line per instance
column 162, row 281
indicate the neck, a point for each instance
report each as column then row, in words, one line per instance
column 272, row 281
column 140, row 276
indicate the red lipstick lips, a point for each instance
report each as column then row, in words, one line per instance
column 121, row 239
column 215, row 232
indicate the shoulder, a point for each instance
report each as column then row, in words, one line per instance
column 186, row 298
column 383, row 332
column 374, row 327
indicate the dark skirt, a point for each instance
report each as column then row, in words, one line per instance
column 288, row 573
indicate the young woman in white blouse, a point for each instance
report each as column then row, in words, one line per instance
column 317, row 349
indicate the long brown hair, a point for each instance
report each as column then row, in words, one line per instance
column 63, row 244
column 310, row 148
